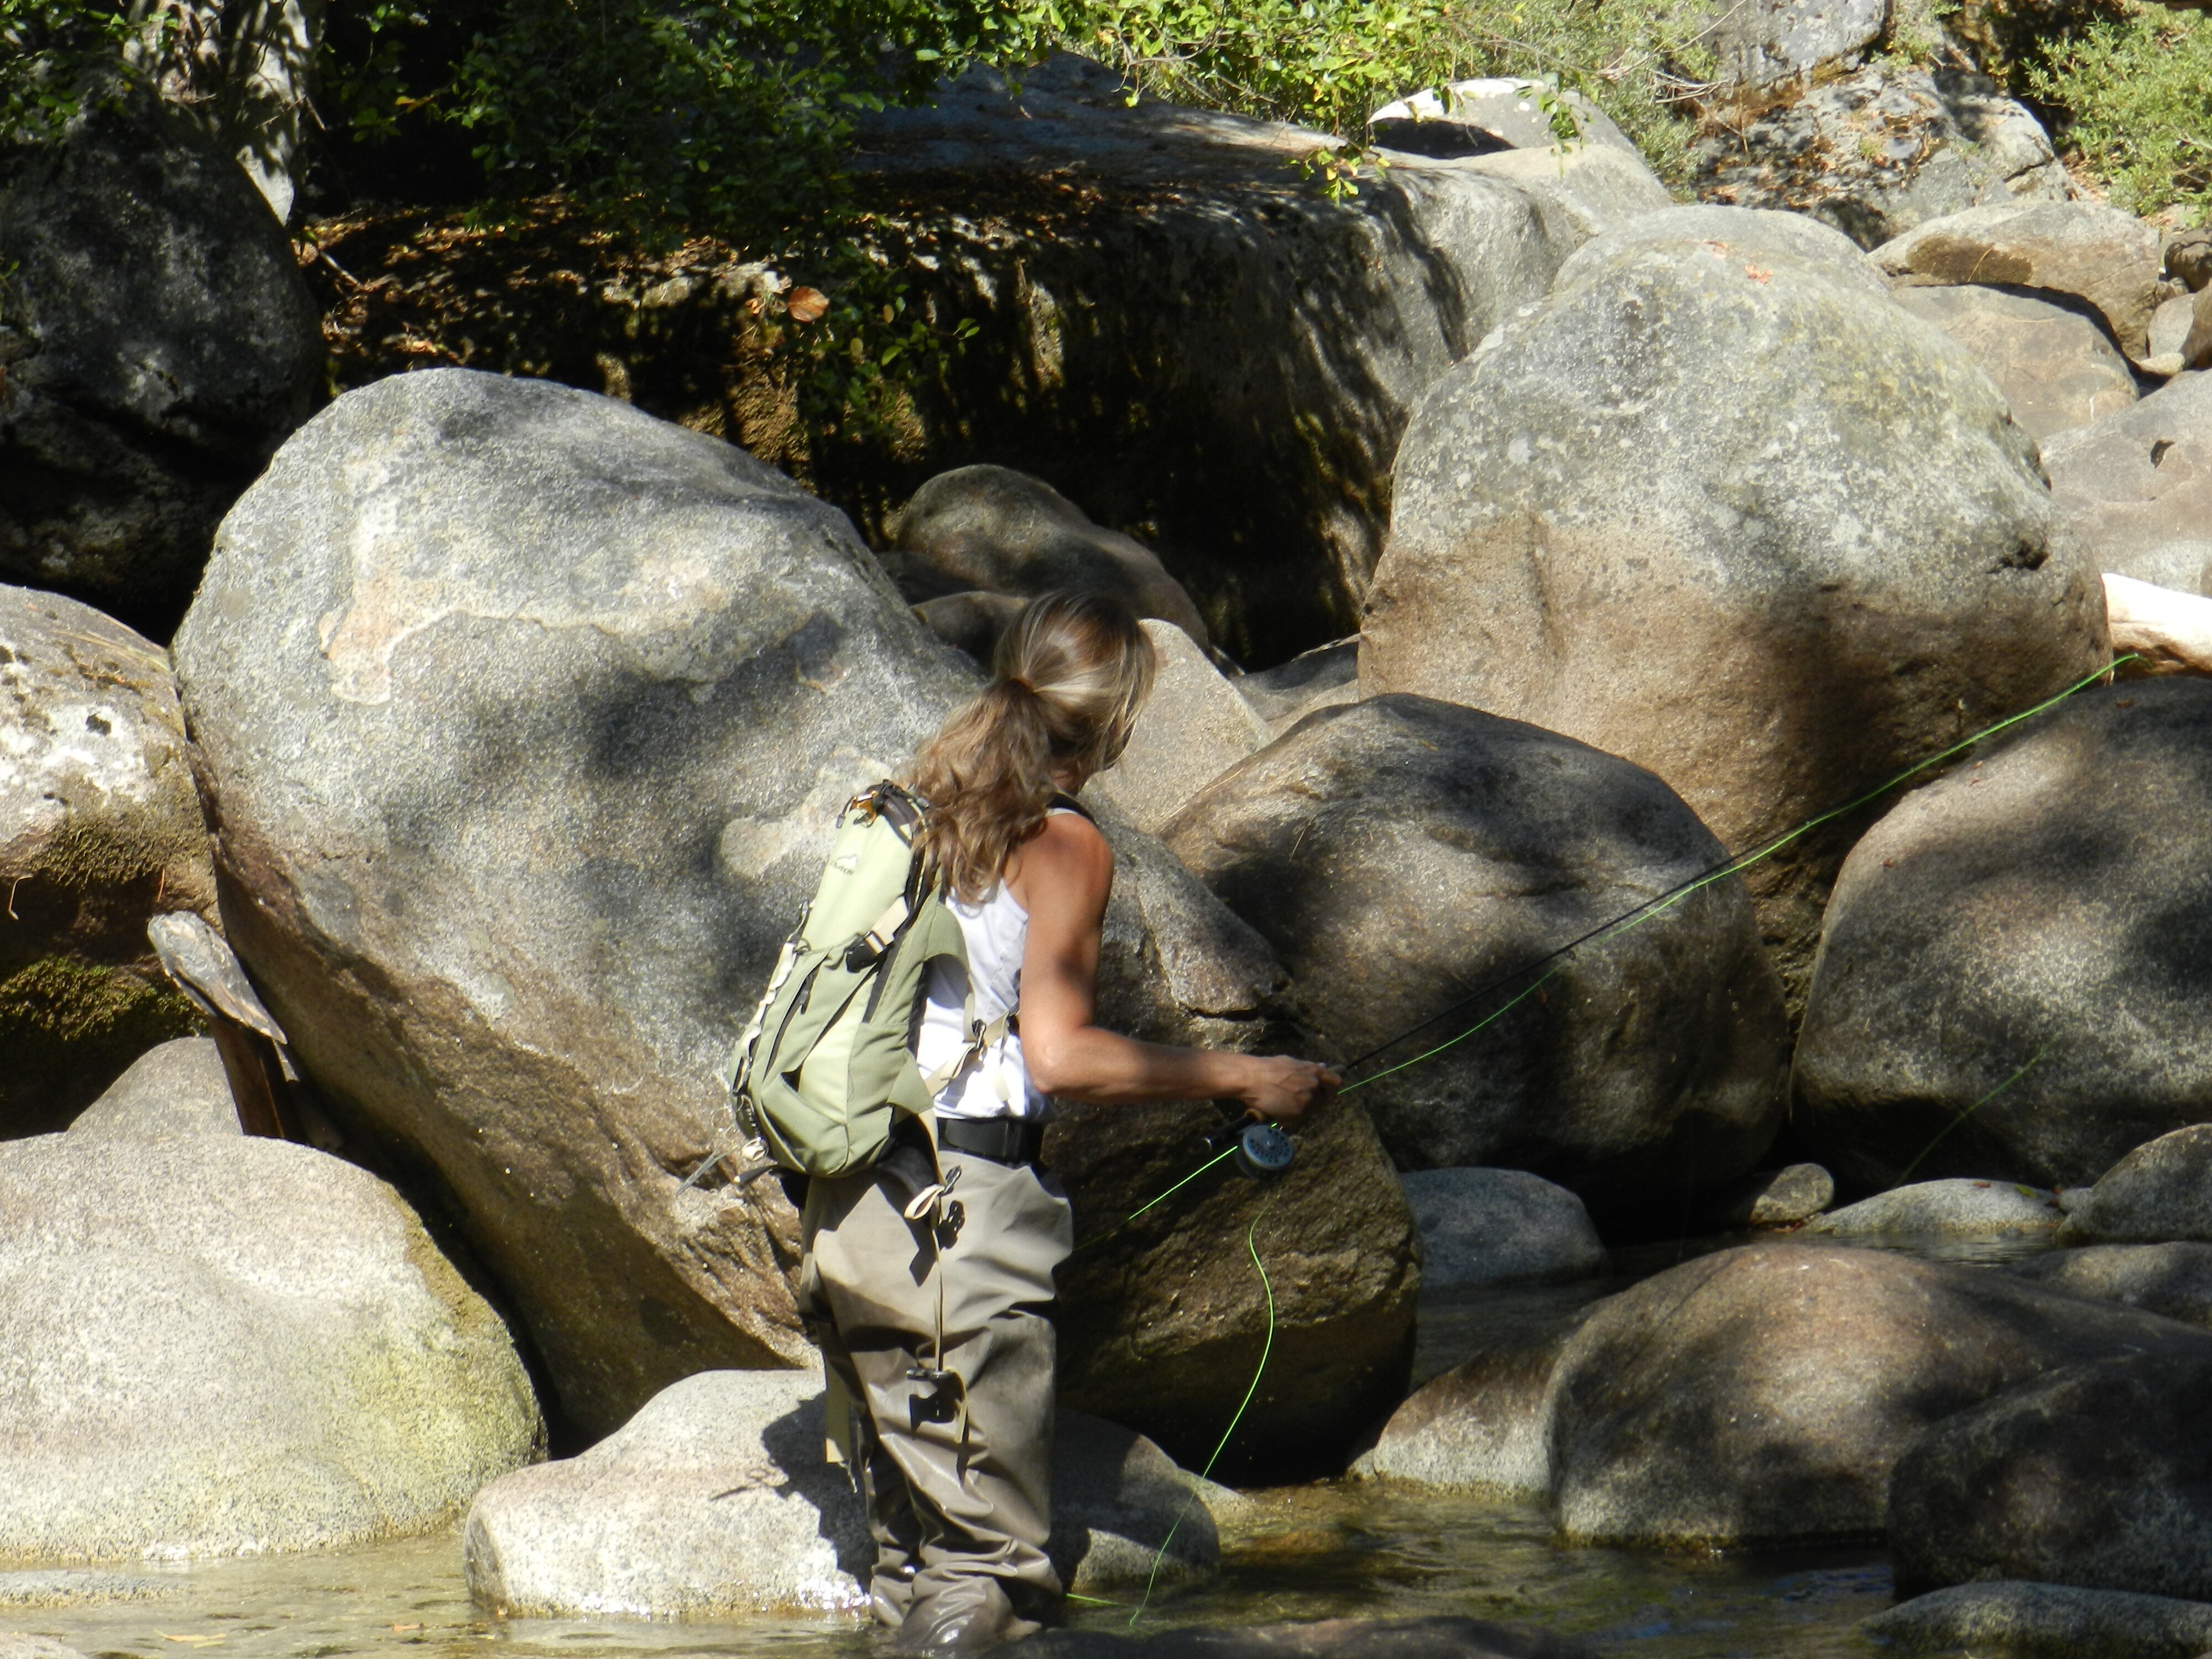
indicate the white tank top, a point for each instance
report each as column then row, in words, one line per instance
column 997, row 1084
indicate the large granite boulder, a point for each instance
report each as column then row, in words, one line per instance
column 1402, row 854
column 100, row 831
column 2160, row 1192
column 1164, row 302
column 226, row 1346
column 1494, row 114
column 2138, row 485
column 2026, row 1620
column 2100, row 1475
column 716, row 1498
column 1769, row 41
column 1195, row 726
column 1879, row 151
column 2172, row 1280
column 1766, row 1393
column 2090, row 250
column 1957, row 1208
column 1720, row 508
column 2016, row 942
column 1499, row 1227
column 993, row 529
column 158, row 343
column 2058, row 368
column 523, row 718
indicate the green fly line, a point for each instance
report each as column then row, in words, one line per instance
column 1971, row 1110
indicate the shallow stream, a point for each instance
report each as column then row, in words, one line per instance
column 1330, row 1550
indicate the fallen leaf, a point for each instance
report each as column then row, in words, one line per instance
column 807, row 305
column 1758, row 273
column 1718, row 250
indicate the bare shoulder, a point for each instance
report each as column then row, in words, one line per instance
column 1066, row 853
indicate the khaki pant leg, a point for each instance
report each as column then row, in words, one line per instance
column 980, row 1490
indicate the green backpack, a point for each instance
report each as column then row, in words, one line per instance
column 825, row 1066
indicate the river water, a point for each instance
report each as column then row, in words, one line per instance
column 1332, row 1549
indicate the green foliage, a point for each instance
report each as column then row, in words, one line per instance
column 2135, row 96
column 52, row 53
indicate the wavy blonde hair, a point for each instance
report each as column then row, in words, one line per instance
column 1067, row 681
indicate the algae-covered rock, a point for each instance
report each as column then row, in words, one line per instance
column 99, row 831
column 219, row 1346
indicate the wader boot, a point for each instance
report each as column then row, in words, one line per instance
column 955, row 1462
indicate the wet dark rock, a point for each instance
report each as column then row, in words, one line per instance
column 2058, row 368
column 580, row 694
column 2045, row 1621
column 1720, row 508
column 1438, row 1638
column 1772, row 1198
column 997, row 531
column 158, row 343
column 2100, row 1475
column 1499, row 1227
column 1400, row 853
column 1766, row 1392
column 2174, row 1281
column 177, row 1088
column 2021, row 937
column 2138, row 485
column 2160, row 1191
column 1877, row 152
column 970, row 621
column 99, row 831
column 1165, row 303
column 2090, row 250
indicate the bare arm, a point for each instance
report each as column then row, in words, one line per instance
column 1061, row 876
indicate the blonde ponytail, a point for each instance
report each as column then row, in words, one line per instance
column 1068, row 679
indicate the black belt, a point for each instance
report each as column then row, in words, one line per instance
column 1001, row 1140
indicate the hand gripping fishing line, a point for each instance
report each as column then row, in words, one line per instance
column 1552, row 963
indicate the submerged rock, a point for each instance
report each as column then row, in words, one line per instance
column 2100, row 1475
column 1773, row 1198
column 2138, row 485
column 2090, row 250
column 2159, row 1192
column 1400, row 853
column 1165, row 303
column 1766, row 1392
column 159, row 342
column 1499, row 1227
column 1720, row 508
column 100, row 831
column 2058, row 368
column 1878, row 152
column 715, row 1499
column 2017, row 940
column 19, row 1646
column 1436, row 1637
column 224, row 1346
column 177, row 1089
column 2174, row 1281
column 1193, row 727
column 1958, row 1208
column 2045, row 1621
column 997, row 531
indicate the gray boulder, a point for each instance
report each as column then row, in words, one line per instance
column 2174, row 1281
column 1772, row 1198
column 178, row 1087
column 70, row 1587
column 716, row 1499
column 1580, row 192
column 244, row 73
column 970, row 621
column 1499, row 1227
column 2017, row 939
column 2186, row 256
column 1401, row 853
column 1766, row 1392
column 2058, row 368
column 1770, row 40
column 1878, row 152
column 2092, row 251
column 99, row 831
column 2160, row 1191
column 524, row 718
column 1193, row 727
column 1958, row 1208
column 1190, row 308
column 2138, row 485
column 1499, row 113
column 1319, row 678
column 283, row 1359
column 2045, row 1621
column 1702, row 508
column 159, row 342
column 2100, row 1475
column 997, row 531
